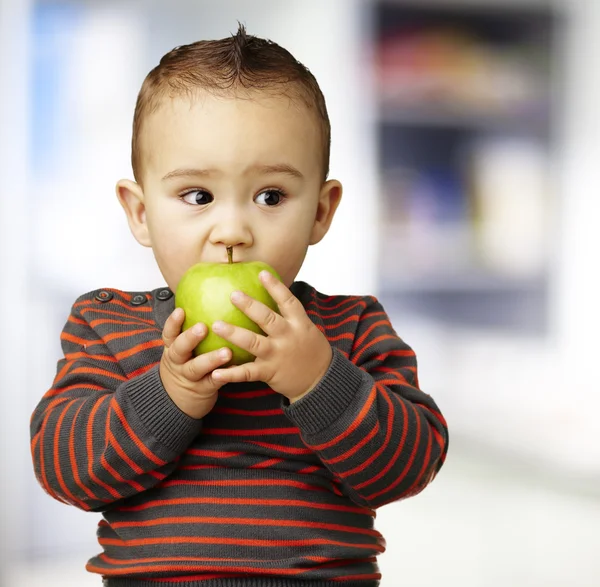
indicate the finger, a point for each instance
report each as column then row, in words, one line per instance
column 183, row 347
column 267, row 319
column 202, row 365
column 172, row 327
column 289, row 305
column 246, row 339
column 237, row 374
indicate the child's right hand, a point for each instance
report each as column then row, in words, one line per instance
column 186, row 378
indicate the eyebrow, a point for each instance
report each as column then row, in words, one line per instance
column 278, row 168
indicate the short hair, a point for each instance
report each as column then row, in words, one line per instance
column 240, row 62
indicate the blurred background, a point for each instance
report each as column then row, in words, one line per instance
column 467, row 136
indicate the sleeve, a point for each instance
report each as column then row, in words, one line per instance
column 380, row 436
column 99, row 436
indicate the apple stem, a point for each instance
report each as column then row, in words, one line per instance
column 230, row 254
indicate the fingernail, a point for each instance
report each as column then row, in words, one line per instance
column 265, row 275
column 224, row 353
column 218, row 325
column 198, row 329
column 237, row 296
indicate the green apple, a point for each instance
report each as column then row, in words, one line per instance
column 204, row 293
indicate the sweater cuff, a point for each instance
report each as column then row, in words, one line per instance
column 159, row 413
column 321, row 407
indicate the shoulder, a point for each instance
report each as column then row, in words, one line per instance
column 337, row 304
column 104, row 299
column 110, row 295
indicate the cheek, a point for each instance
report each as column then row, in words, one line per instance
column 170, row 251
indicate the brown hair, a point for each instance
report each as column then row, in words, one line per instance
column 236, row 63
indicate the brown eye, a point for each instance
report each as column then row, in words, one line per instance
column 269, row 197
column 197, row 197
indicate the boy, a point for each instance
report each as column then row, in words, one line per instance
column 263, row 474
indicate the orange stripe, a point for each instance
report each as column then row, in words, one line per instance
column 285, row 449
column 154, row 559
column 42, row 462
column 235, row 541
column 368, row 331
column 285, row 503
column 78, row 340
column 384, row 444
column 73, row 460
column 121, row 315
column 236, row 412
column 243, row 483
column 344, row 311
column 266, row 464
column 372, row 343
column 138, row 348
column 355, row 424
column 352, row 318
column 98, row 371
column 74, row 320
column 57, row 467
column 116, row 335
column 142, row 370
column 64, row 369
column 242, row 522
column 57, row 390
column 112, row 572
column 320, row 302
column 356, row 447
column 119, row 450
column 416, row 486
column 134, row 484
column 90, row 450
column 216, row 454
column 347, row 335
column 82, row 355
column 404, row 426
column 247, row 394
column 99, row 321
column 134, row 437
column 408, row 465
column 309, row 470
column 337, row 325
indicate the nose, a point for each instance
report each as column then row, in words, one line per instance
column 231, row 228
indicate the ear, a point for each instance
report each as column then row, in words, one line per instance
column 329, row 199
column 131, row 197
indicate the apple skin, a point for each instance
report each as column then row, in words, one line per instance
column 204, row 294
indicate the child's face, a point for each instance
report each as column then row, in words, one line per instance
column 230, row 171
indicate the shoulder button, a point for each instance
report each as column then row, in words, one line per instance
column 164, row 294
column 138, row 300
column 104, row 296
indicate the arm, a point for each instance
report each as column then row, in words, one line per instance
column 372, row 427
column 100, row 435
column 362, row 413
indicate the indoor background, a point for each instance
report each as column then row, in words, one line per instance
column 467, row 136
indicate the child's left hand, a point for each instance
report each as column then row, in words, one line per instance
column 292, row 357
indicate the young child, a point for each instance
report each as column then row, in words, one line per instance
column 264, row 474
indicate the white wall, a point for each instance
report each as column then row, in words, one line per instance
column 17, row 335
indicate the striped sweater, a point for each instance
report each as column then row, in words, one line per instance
column 260, row 492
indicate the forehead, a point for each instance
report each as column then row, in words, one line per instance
column 229, row 131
